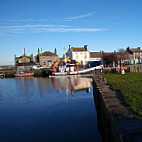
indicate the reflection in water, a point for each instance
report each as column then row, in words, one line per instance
column 74, row 84
column 35, row 110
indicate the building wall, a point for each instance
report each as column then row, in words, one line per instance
column 81, row 57
column 47, row 61
column 69, row 54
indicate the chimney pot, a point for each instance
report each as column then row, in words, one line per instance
column 86, row 47
column 55, row 51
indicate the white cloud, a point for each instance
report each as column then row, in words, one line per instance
column 78, row 17
column 44, row 28
column 27, row 20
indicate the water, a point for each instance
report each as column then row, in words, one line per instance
column 47, row 110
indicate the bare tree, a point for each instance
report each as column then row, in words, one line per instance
column 121, row 55
column 110, row 58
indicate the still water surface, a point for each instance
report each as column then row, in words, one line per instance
column 47, row 110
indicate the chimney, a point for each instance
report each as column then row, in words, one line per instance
column 41, row 51
column 38, row 51
column 24, row 52
column 55, row 51
column 86, row 47
column 128, row 48
column 139, row 48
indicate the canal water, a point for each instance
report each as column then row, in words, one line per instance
column 47, row 110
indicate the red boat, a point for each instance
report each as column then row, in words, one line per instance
column 22, row 74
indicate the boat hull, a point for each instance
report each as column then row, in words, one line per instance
column 24, row 75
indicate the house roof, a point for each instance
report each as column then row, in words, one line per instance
column 23, row 56
column 48, row 53
column 26, row 64
column 138, row 49
column 95, row 55
column 78, row 49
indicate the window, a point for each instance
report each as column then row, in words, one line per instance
column 44, row 63
column 49, row 63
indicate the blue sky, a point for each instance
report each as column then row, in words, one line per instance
column 106, row 25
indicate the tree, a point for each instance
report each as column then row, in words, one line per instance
column 110, row 58
column 121, row 55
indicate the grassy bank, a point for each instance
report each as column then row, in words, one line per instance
column 130, row 88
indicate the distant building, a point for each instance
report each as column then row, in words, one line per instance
column 46, row 59
column 7, row 68
column 24, row 62
column 117, row 58
column 136, row 53
column 96, row 56
column 80, row 54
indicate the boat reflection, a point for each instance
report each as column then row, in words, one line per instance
column 72, row 84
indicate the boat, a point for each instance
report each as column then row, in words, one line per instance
column 2, row 75
column 66, row 67
column 22, row 74
column 66, row 72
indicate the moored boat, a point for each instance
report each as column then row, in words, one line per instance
column 2, row 75
column 22, row 74
column 78, row 72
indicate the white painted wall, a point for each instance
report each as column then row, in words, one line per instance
column 82, row 56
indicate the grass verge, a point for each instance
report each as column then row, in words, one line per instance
column 130, row 88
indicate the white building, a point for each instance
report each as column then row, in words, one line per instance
column 80, row 54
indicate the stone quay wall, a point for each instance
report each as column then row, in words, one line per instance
column 116, row 122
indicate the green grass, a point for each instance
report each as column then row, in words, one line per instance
column 130, row 88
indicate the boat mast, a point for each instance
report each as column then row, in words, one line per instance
column 65, row 55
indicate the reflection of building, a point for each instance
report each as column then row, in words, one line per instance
column 46, row 59
column 74, row 84
column 80, row 84
column 24, row 62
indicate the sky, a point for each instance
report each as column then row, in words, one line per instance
column 106, row 25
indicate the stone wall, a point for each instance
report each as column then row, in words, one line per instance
column 44, row 60
column 115, row 121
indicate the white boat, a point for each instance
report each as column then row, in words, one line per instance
column 78, row 72
column 2, row 75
